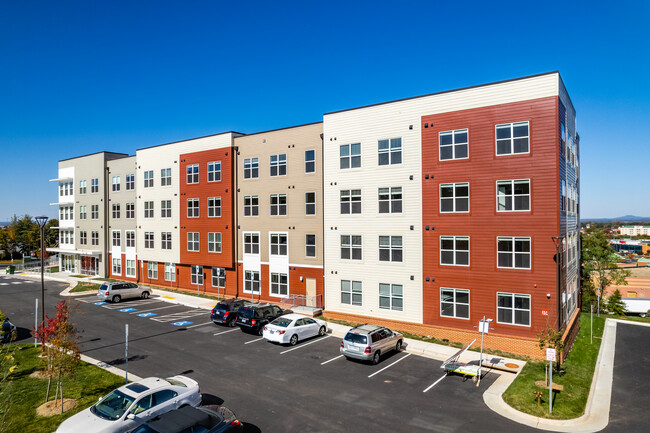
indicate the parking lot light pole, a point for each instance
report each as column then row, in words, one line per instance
column 41, row 220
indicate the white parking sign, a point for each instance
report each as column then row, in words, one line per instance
column 550, row 354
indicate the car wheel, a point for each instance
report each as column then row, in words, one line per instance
column 322, row 331
column 293, row 340
column 398, row 346
column 260, row 331
column 144, row 295
column 231, row 323
column 116, row 299
column 375, row 358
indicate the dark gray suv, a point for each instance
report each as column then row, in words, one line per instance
column 369, row 342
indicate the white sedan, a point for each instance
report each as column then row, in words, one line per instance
column 291, row 328
column 131, row 405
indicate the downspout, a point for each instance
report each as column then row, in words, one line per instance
column 235, row 220
column 322, row 199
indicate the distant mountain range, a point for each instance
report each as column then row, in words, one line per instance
column 623, row 219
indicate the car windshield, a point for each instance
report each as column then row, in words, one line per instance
column 356, row 338
column 281, row 322
column 113, row 406
column 221, row 306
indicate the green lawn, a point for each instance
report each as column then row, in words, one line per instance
column 85, row 287
column 79, row 276
column 576, row 378
column 21, row 394
column 110, row 280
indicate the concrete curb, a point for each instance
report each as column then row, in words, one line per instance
column 116, row 371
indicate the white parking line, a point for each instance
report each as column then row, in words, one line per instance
column 333, row 359
column 435, row 383
column 225, row 332
column 253, row 341
column 390, row 365
column 201, row 324
column 305, row 344
column 153, row 309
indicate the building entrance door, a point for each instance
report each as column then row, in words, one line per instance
column 310, row 292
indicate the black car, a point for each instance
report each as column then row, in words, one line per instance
column 253, row 318
column 188, row 419
column 225, row 312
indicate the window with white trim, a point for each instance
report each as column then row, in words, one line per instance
column 513, row 252
column 94, row 185
column 192, row 173
column 513, row 195
column 278, row 246
column 454, row 197
column 251, row 243
column 197, row 275
column 94, row 211
column 251, row 282
column 454, row 250
column 170, row 272
column 117, row 266
column 116, row 211
column 130, row 210
column 166, row 240
column 279, row 284
column 351, row 292
column 453, row 144
column 130, row 238
column 278, row 204
column 148, row 239
column 351, row 248
column 165, row 208
column 83, row 212
column 116, row 183
column 130, row 268
column 165, row 176
column 310, row 245
column 310, row 161
column 82, row 186
column 214, row 242
column 152, row 270
column 279, row 165
column 219, row 277
column 391, row 296
column 193, row 241
column 214, row 171
column 390, row 248
column 117, row 238
column 83, row 238
column 214, row 207
column 130, row 185
column 512, row 138
column 350, row 155
column 192, row 207
column 148, row 209
column 310, row 203
column 148, row 179
column 390, row 151
column 251, row 205
column 251, row 168
column 350, row 201
column 454, row 303
column 94, row 238
column 513, row 309
column 390, row 200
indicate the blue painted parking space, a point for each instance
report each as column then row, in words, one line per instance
column 100, row 303
column 127, row 310
column 146, row 314
column 182, row 323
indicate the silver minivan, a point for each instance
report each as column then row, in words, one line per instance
column 369, row 342
column 118, row 290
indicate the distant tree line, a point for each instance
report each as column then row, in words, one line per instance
column 22, row 237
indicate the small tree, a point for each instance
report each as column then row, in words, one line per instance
column 550, row 338
column 615, row 303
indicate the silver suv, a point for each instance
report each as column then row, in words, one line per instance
column 369, row 342
column 119, row 290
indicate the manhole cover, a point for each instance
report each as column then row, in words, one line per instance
column 511, row 365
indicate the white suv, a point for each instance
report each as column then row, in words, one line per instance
column 119, row 290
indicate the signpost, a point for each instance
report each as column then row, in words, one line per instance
column 483, row 328
column 550, row 357
column 35, row 318
column 126, row 353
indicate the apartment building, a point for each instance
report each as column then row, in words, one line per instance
column 636, row 230
column 122, row 226
column 280, row 214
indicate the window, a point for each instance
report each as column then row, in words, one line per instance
column 351, row 292
column 130, row 210
column 197, row 275
column 278, row 244
column 165, row 176
column 82, row 186
column 130, row 185
column 116, row 211
column 251, row 282
column 116, row 183
column 130, row 238
column 310, row 245
column 192, row 173
column 116, row 238
column 219, row 277
column 130, row 268
column 454, row 197
column 251, row 205
column 390, row 200
column 165, row 208
column 513, row 195
column 148, row 179
column 83, row 212
column 512, row 138
column 166, row 240
column 351, row 247
column 513, row 308
column 170, row 272
column 350, row 155
column 94, row 211
column 148, row 239
column 214, row 206
column 152, row 270
column 391, row 296
column 454, row 303
column 279, row 284
column 94, row 185
column 278, row 204
column 279, row 164
column 117, row 266
column 148, row 209
column 214, row 242
column 390, row 151
column 192, row 207
column 214, row 171
column 310, row 161
column 350, row 201
column 193, row 241
column 310, row 203
column 390, row 248
column 513, row 252
column 94, row 238
column 251, row 168
column 454, row 250
column 83, row 238
column 453, row 144
column 251, row 243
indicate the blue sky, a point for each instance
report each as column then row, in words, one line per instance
column 78, row 77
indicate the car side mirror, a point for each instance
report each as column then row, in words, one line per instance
column 130, row 416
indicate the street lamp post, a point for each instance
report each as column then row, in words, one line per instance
column 557, row 240
column 41, row 220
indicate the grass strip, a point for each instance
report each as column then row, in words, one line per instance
column 85, row 287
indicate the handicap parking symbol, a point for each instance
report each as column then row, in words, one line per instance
column 127, row 310
column 182, row 323
column 146, row 314
column 100, row 303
